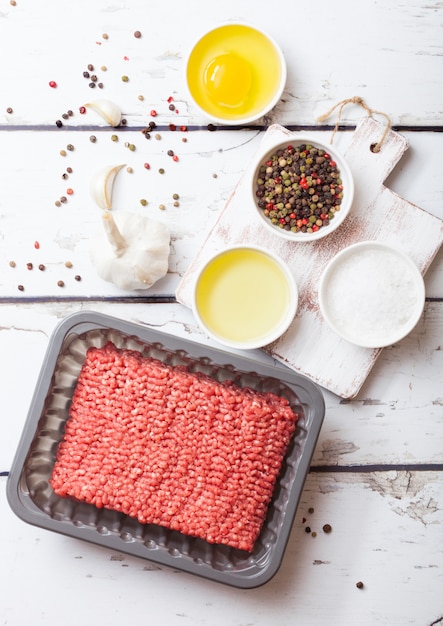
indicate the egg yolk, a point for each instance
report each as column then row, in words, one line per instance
column 228, row 80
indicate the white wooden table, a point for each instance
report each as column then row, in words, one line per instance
column 377, row 472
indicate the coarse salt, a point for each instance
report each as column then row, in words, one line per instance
column 372, row 294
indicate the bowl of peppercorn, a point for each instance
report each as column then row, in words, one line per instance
column 302, row 188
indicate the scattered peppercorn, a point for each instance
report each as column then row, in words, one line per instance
column 104, row 68
column 170, row 152
column 172, row 127
column 125, row 78
column 36, row 245
column 12, row 264
column 105, row 36
column 52, row 84
column 146, row 166
column 68, row 264
column 86, row 74
column 137, row 34
column 92, row 85
column 63, row 199
column 82, row 110
column 175, row 158
column 77, row 277
column 70, row 147
column 100, row 85
column 313, row 534
column 41, row 267
column 153, row 112
column 114, row 138
column 94, row 78
column 65, row 116
column 59, row 123
column 129, row 169
column 308, row 529
column 63, row 153
column 60, row 283
column 327, row 528
column 171, row 107
column 161, row 207
column 311, row 510
column 158, row 136
column 29, row 266
column 92, row 138
column 90, row 67
column 175, row 196
column 359, row 585
column 132, row 147
column 211, row 127
column 69, row 191
column 20, row 288
column 13, row 3
column 161, row 171
column 58, row 203
column 143, row 202
column 69, row 170
column 9, row 110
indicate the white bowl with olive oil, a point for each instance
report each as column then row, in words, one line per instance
column 245, row 297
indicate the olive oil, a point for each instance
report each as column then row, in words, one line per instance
column 242, row 295
column 233, row 72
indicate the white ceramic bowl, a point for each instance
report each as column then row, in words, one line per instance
column 235, row 73
column 371, row 294
column 245, row 297
column 297, row 141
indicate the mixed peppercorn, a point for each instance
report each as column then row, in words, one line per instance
column 299, row 188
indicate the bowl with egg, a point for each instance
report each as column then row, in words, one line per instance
column 245, row 297
column 302, row 189
column 235, row 73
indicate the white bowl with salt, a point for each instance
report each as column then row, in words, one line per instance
column 371, row 294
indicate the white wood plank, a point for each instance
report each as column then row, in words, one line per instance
column 396, row 418
column 386, row 533
column 32, row 182
column 349, row 53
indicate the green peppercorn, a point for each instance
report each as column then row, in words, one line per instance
column 114, row 138
column 125, row 79
column 143, row 202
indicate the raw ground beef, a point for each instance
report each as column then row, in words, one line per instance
column 173, row 448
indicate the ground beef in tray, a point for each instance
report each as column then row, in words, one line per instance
column 173, row 448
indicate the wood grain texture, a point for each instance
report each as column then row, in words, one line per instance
column 309, row 346
column 376, row 473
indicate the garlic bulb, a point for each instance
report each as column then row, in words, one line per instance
column 108, row 110
column 132, row 251
column 102, row 185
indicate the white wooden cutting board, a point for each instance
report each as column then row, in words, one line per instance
column 310, row 347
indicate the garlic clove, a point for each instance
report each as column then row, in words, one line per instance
column 102, row 185
column 108, row 110
column 115, row 238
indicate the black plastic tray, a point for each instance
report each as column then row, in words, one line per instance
column 32, row 499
